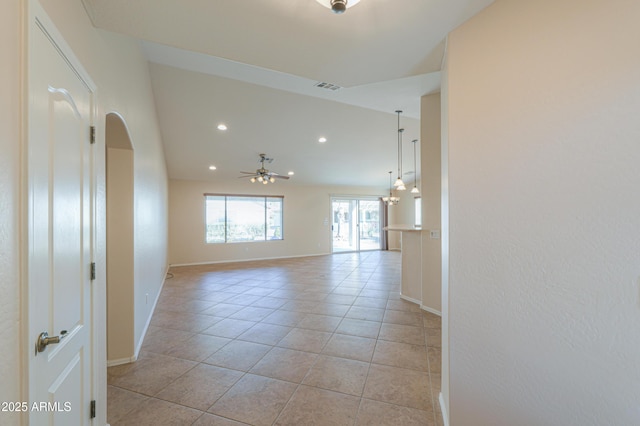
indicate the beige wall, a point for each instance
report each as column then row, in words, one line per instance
column 431, row 193
column 305, row 230
column 543, row 176
column 120, row 254
column 120, row 72
column 10, row 71
column 401, row 214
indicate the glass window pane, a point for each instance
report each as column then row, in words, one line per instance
column 245, row 219
column 418, row 211
column 242, row 218
column 214, row 219
column 369, row 225
column 274, row 218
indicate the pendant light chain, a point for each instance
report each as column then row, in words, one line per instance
column 399, row 148
column 399, row 183
column 400, row 131
column 415, row 189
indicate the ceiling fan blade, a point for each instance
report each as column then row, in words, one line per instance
column 248, row 173
column 279, row 177
column 248, row 176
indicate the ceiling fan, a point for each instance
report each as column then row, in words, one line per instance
column 263, row 175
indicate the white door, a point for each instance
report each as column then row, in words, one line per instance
column 59, row 232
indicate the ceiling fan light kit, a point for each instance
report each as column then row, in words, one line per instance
column 263, row 175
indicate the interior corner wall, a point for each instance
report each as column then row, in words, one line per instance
column 444, row 236
column 543, row 176
column 121, row 74
column 120, row 256
column 431, row 193
column 10, row 246
column 306, row 215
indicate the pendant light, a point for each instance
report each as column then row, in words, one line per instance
column 390, row 200
column 415, row 189
column 399, row 184
column 338, row 6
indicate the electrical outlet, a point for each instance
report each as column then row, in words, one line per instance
column 146, row 298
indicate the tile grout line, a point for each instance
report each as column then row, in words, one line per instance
column 360, row 285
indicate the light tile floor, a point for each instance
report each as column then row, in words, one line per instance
column 319, row 340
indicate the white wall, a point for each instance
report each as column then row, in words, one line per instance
column 444, row 235
column 120, row 72
column 10, row 385
column 305, row 231
column 544, row 174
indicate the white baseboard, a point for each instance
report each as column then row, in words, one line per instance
column 433, row 311
column 423, row 307
column 445, row 414
column 151, row 312
column 114, row 362
column 410, row 299
column 214, row 262
column 136, row 352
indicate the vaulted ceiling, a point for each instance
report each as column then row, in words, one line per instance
column 254, row 65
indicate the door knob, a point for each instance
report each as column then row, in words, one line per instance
column 44, row 340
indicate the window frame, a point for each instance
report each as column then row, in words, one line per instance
column 264, row 198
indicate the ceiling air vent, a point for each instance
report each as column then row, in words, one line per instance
column 327, row 86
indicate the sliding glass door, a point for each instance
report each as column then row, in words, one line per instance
column 369, row 224
column 356, row 224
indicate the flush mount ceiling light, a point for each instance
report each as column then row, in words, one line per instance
column 338, row 6
column 212, row 167
column 222, row 126
column 399, row 184
column 322, row 140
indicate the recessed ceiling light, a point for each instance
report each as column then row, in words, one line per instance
column 222, row 126
column 322, row 140
column 212, row 167
column 290, row 173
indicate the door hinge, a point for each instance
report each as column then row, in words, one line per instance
column 93, row 271
column 92, row 134
column 93, row 409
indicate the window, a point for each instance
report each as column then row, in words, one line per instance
column 236, row 218
column 417, row 208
